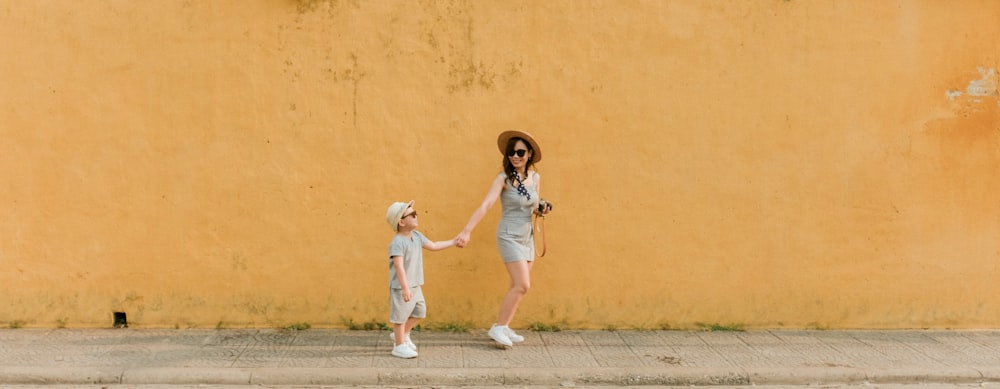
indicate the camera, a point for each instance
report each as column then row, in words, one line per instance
column 544, row 206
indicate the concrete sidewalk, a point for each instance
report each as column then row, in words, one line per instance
column 567, row 358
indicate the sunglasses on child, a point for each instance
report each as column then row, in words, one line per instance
column 414, row 214
column 519, row 153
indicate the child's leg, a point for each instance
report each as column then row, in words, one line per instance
column 411, row 323
column 399, row 331
column 419, row 310
column 400, row 315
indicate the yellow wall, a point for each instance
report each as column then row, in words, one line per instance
column 771, row 163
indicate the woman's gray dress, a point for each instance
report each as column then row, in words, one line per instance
column 515, row 238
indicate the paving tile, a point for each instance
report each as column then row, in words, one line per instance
column 907, row 355
column 981, row 354
column 562, row 338
column 949, row 337
column 387, row 360
column 695, row 356
column 222, row 357
column 272, row 338
column 187, row 337
column 353, row 361
column 604, row 338
column 260, row 357
column 307, row 356
column 438, row 339
column 860, row 354
column 234, row 338
column 433, row 355
column 951, row 355
column 619, row 356
column 721, row 338
column 990, row 339
column 33, row 355
column 527, row 356
column 748, row 357
column 664, row 356
column 572, row 356
column 661, row 338
column 893, row 337
column 144, row 355
column 23, row 335
column 366, row 340
column 314, row 339
column 797, row 337
column 483, row 355
column 836, row 337
column 759, row 338
column 797, row 355
column 841, row 341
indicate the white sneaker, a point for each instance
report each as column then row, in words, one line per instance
column 499, row 334
column 513, row 336
column 408, row 342
column 403, row 351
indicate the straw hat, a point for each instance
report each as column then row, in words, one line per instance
column 504, row 137
column 395, row 213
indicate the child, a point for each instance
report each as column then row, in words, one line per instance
column 406, row 274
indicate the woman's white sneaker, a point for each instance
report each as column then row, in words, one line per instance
column 513, row 336
column 403, row 351
column 499, row 334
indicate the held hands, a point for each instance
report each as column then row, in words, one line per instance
column 462, row 239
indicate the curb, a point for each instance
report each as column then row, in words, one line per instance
column 673, row 376
column 565, row 376
column 48, row 376
column 807, row 376
column 950, row 375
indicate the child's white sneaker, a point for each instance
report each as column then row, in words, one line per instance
column 513, row 336
column 408, row 342
column 403, row 351
column 499, row 334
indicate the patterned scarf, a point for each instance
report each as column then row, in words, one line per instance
column 521, row 190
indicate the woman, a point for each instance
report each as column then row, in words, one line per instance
column 518, row 190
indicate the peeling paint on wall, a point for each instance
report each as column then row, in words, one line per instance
column 985, row 86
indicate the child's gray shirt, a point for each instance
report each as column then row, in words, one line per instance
column 412, row 251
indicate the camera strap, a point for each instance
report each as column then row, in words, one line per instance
column 540, row 227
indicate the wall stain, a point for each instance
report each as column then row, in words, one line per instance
column 331, row 6
column 449, row 28
column 239, row 263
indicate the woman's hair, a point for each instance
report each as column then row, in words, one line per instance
column 508, row 167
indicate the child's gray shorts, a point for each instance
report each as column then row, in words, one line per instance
column 400, row 310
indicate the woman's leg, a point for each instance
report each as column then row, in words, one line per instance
column 520, row 282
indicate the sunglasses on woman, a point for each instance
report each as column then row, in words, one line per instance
column 519, row 153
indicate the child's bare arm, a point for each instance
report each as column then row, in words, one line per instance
column 397, row 262
column 441, row 244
